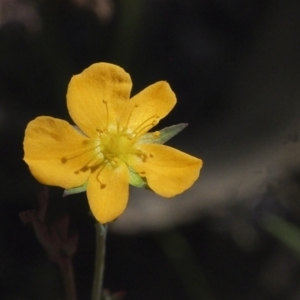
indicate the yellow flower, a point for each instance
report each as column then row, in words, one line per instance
column 110, row 148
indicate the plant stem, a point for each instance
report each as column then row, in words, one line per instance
column 101, row 231
column 66, row 268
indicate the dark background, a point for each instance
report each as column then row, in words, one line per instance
column 234, row 66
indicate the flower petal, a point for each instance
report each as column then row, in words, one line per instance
column 168, row 171
column 107, row 192
column 48, row 144
column 95, row 98
column 149, row 106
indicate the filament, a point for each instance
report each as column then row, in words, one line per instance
column 107, row 112
column 141, row 128
column 129, row 116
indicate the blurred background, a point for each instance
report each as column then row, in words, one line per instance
column 235, row 68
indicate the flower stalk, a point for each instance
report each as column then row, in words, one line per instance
column 101, row 231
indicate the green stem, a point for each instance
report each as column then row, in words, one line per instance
column 101, row 231
column 66, row 268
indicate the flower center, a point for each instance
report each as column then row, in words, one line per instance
column 114, row 146
column 115, row 142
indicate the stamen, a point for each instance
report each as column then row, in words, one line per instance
column 86, row 167
column 156, row 134
column 99, row 131
column 131, row 136
column 112, row 159
column 102, row 185
column 115, row 160
column 89, row 163
column 129, row 116
column 141, row 128
column 93, row 167
column 142, row 155
column 107, row 113
column 66, row 159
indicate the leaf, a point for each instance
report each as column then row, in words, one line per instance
column 284, row 231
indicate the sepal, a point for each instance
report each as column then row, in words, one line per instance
column 135, row 179
column 75, row 190
column 162, row 136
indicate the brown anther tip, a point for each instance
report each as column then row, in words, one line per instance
column 84, row 169
column 64, row 160
column 102, row 186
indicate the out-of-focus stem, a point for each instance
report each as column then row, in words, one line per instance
column 66, row 268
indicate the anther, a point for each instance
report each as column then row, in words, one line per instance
column 64, row 160
column 131, row 136
column 85, row 168
column 156, row 134
column 99, row 131
column 142, row 155
column 115, row 160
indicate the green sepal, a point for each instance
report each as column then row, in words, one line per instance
column 164, row 134
column 135, row 179
column 75, row 190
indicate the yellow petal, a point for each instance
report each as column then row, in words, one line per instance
column 149, row 106
column 107, row 192
column 97, row 96
column 168, row 171
column 54, row 151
